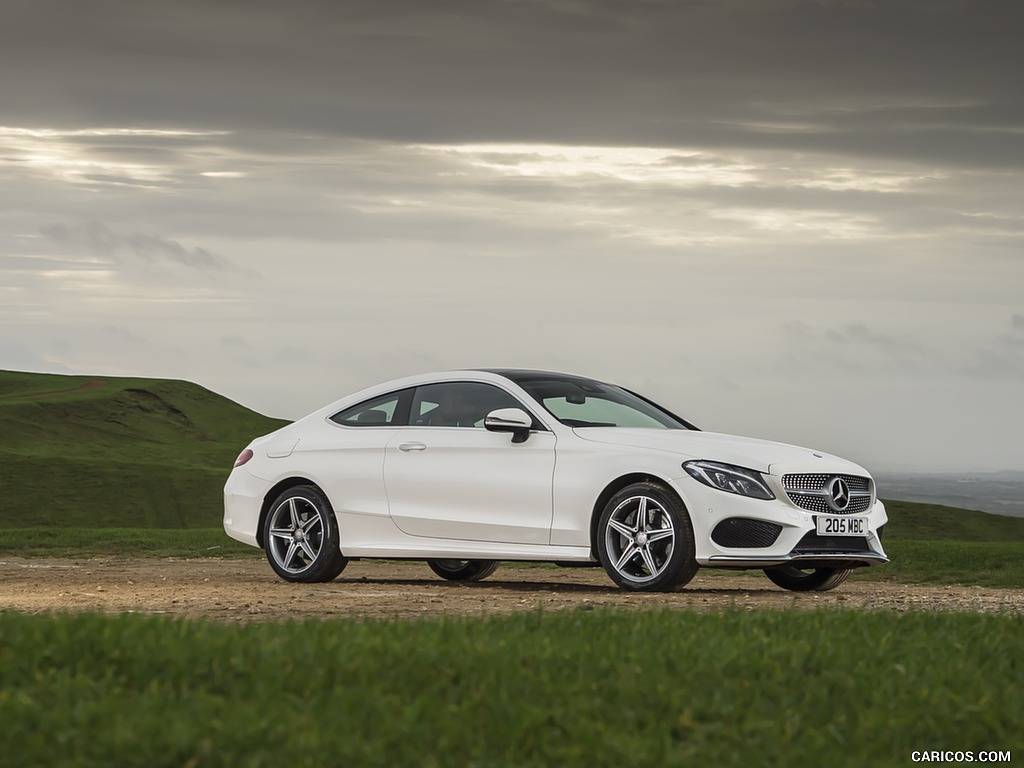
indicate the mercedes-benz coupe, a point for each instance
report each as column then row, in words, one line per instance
column 464, row 469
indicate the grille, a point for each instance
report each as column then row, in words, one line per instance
column 812, row 542
column 810, row 492
column 742, row 533
column 819, row 481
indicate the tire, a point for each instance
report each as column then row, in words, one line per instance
column 300, row 537
column 645, row 539
column 812, row 579
column 463, row 570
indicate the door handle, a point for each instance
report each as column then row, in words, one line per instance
column 412, row 447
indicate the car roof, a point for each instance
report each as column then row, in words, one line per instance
column 526, row 374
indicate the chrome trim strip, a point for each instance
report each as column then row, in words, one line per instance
column 504, row 423
column 822, row 492
column 873, row 558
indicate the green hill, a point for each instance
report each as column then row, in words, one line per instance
column 100, row 451
column 910, row 520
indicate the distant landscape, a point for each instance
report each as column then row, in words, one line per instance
column 1001, row 493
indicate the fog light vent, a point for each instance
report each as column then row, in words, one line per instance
column 742, row 533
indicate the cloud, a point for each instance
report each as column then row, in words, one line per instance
column 1017, row 322
column 97, row 240
column 855, row 347
column 1006, row 361
column 124, row 336
column 235, row 343
column 16, row 356
column 861, row 335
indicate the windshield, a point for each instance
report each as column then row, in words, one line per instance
column 583, row 403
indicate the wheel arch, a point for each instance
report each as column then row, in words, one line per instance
column 276, row 490
column 617, row 485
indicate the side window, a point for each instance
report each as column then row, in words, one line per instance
column 457, row 404
column 380, row 411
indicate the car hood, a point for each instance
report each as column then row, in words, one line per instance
column 762, row 455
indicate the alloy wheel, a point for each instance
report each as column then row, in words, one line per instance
column 639, row 538
column 296, row 534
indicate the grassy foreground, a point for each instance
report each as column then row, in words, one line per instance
column 583, row 688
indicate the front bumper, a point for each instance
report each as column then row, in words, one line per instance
column 796, row 542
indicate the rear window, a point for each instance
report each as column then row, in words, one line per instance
column 385, row 410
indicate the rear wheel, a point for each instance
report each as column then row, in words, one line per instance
column 300, row 536
column 645, row 540
column 807, row 579
column 463, row 570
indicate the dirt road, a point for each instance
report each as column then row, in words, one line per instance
column 247, row 590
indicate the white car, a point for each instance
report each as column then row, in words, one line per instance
column 467, row 468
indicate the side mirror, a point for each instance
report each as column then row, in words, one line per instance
column 514, row 420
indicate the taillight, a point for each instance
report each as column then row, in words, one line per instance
column 243, row 457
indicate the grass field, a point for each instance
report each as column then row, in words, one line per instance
column 124, row 542
column 981, row 563
column 910, row 520
column 583, row 688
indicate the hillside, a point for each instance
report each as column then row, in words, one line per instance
column 910, row 520
column 103, row 451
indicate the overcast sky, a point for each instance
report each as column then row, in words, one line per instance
column 797, row 220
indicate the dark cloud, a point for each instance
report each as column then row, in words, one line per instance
column 1005, row 361
column 96, row 239
column 934, row 81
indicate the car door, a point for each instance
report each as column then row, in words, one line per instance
column 447, row 477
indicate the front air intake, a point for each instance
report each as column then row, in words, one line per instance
column 742, row 533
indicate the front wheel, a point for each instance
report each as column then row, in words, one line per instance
column 645, row 539
column 300, row 536
column 807, row 580
column 463, row 570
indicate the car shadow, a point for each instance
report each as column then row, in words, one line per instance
column 552, row 587
column 515, row 586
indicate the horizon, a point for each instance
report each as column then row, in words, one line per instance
column 794, row 220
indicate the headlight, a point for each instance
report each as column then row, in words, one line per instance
column 726, row 477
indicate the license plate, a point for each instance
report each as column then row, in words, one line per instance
column 842, row 526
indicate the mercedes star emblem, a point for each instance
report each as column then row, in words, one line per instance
column 839, row 494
